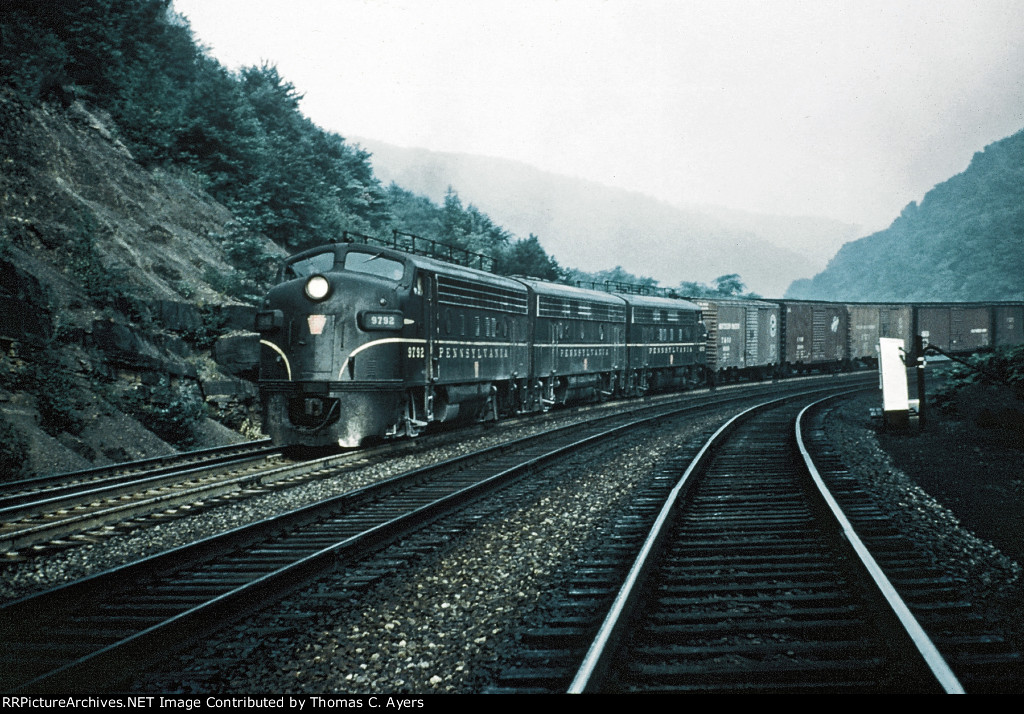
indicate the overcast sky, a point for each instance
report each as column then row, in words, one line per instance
column 841, row 109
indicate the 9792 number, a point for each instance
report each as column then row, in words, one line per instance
column 380, row 320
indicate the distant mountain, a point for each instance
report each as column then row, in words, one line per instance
column 593, row 227
column 965, row 241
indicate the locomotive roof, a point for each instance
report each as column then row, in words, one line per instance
column 661, row 303
column 571, row 292
column 438, row 267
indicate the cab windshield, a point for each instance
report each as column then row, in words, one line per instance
column 374, row 264
column 319, row 263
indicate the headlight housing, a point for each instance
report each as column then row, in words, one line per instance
column 318, row 288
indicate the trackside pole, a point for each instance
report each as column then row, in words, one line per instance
column 919, row 352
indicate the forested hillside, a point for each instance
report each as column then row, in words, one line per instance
column 145, row 196
column 965, row 241
column 242, row 136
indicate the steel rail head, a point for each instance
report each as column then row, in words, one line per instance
column 183, row 456
column 191, row 624
column 929, row 652
column 595, row 660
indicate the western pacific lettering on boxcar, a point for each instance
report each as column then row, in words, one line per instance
column 743, row 337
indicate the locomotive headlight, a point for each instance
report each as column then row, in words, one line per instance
column 317, row 288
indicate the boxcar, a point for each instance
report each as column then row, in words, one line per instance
column 868, row 322
column 954, row 328
column 743, row 337
column 1008, row 319
column 814, row 335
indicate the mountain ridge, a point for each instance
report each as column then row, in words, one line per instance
column 643, row 234
column 964, row 241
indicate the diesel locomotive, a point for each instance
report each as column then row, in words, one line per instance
column 361, row 341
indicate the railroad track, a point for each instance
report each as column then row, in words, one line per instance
column 109, row 625
column 41, row 515
column 745, row 581
column 49, row 485
column 36, row 514
column 984, row 660
column 751, row 587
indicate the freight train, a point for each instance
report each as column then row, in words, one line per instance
column 360, row 341
column 760, row 338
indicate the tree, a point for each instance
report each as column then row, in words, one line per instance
column 726, row 286
column 729, row 285
column 528, row 258
column 616, row 275
column 691, row 288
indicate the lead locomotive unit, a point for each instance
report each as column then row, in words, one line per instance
column 360, row 341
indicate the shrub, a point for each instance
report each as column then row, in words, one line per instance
column 1000, row 366
column 172, row 412
column 57, row 399
column 13, row 453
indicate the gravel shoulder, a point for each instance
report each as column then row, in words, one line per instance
column 954, row 489
column 450, row 620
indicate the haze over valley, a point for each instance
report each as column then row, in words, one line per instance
column 593, row 227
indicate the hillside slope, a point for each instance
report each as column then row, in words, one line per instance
column 965, row 241
column 110, row 299
column 594, row 227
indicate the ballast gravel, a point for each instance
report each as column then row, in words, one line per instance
column 990, row 579
column 21, row 578
column 446, row 622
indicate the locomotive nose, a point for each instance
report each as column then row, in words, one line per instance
column 331, row 369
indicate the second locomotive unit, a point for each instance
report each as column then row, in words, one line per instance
column 360, row 341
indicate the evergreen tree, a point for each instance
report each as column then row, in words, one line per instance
column 527, row 257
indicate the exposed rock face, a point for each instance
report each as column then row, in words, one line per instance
column 107, row 316
column 20, row 293
column 238, row 354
